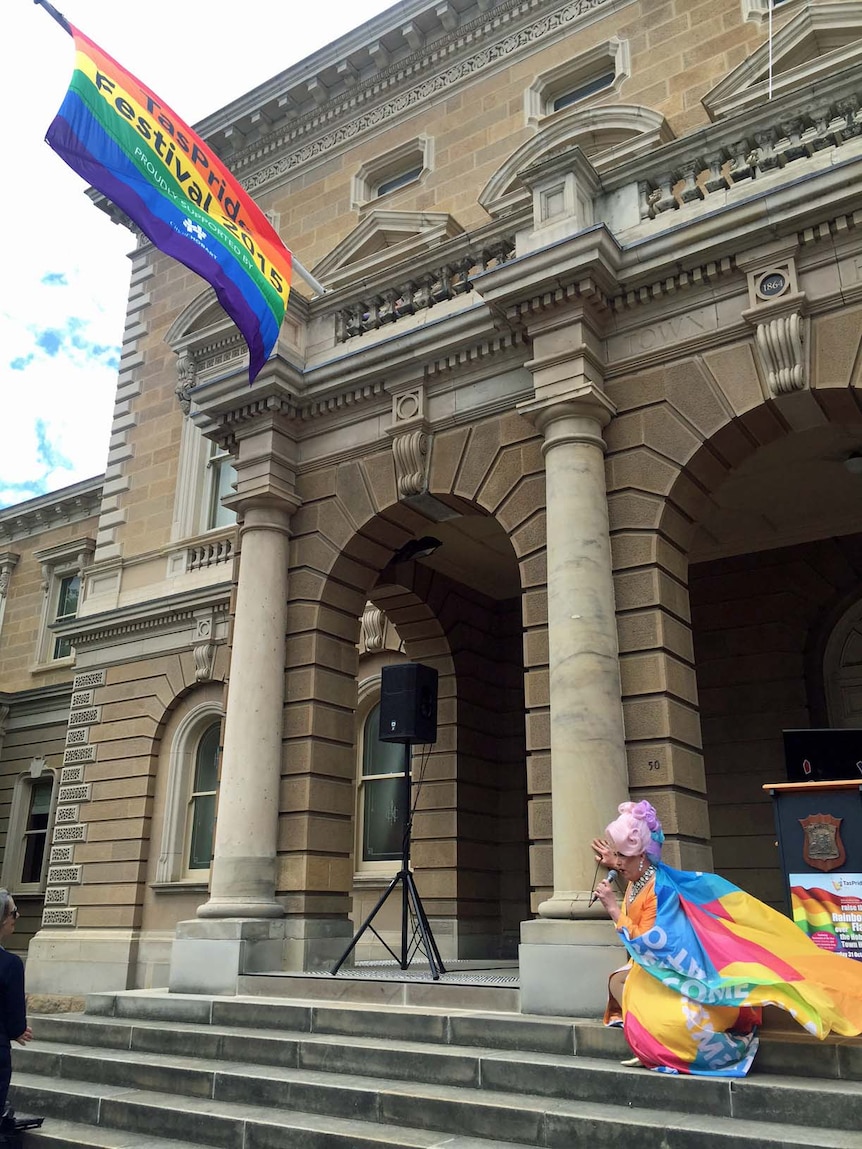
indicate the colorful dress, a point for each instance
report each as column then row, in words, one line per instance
column 705, row 957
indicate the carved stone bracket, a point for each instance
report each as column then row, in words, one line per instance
column 204, row 648
column 411, row 441
column 204, row 655
column 186, row 379
column 777, row 311
column 8, row 562
column 781, row 348
column 372, row 629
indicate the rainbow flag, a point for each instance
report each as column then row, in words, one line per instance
column 714, row 956
column 129, row 145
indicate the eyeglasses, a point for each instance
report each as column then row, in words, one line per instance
column 15, row 914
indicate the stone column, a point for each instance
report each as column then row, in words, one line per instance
column 241, row 929
column 242, row 882
column 588, row 759
column 567, row 953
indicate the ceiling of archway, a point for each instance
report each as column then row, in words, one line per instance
column 794, row 490
column 476, row 552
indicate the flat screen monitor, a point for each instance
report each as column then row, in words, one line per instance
column 823, row 755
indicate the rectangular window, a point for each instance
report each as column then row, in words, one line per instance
column 220, row 482
column 36, row 830
column 383, row 794
column 583, row 90
column 202, row 802
column 398, row 181
column 67, row 609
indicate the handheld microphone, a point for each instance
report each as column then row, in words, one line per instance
column 611, row 877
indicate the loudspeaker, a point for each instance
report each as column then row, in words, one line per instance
column 408, row 703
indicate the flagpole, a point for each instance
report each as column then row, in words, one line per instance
column 54, row 14
column 314, row 284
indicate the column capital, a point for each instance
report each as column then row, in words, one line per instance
column 565, row 414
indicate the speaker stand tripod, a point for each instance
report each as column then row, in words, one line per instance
column 416, row 935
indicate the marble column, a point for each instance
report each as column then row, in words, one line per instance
column 243, row 875
column 589, row 776
column 567, row 953
column 242, row 928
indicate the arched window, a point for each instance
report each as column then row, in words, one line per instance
column 381, row 795
column 185, row 851
column 202, row 801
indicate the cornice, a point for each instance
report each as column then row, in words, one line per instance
column 68, row 505
column 152, row 616
column 488, row 41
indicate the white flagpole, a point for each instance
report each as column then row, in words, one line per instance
column 314, row 284
column 771, row 7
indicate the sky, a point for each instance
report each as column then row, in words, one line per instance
column 65, row 271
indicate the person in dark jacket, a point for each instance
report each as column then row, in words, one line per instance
column 13, row 1008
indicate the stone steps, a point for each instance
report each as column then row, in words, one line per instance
column 254, row 1073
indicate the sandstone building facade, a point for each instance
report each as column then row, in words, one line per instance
column 592, row 321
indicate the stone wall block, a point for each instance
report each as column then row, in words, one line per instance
column 635, row 510
column 691, row 391
column 625, row 432
column 534, row 570
column 540, row 818
column 537, row 688
column 317, row 484
column 379, row 472
column 656, row 672
column 308, row 831
column 503, row 476
column 630, row 395
column 734, row 372
column 446, row 456
column 684, row 814
column 531, row 535
column 330, row 760
column 641, row 470
column 302, row 720
column 539, row 774
column 535, row 607
column 310, row 615
column 522, row 504
column 664, row 763
column 478, row 458
column 656, row 719
column 835, row 341
column 315, row 683
column 669, row 435
column 353, row 494
column 637, row 590
column 538, row 730
column 535, row 648
column 542, row 865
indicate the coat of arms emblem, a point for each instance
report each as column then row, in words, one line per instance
column 823, row 848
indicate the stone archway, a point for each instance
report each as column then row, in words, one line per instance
column 698, row 453
column 344, row 536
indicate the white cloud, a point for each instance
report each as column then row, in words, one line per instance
column 63, row 291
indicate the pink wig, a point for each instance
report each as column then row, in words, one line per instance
column 636, row 831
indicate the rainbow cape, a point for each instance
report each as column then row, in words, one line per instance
column 715, row 954
column 129, row 145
